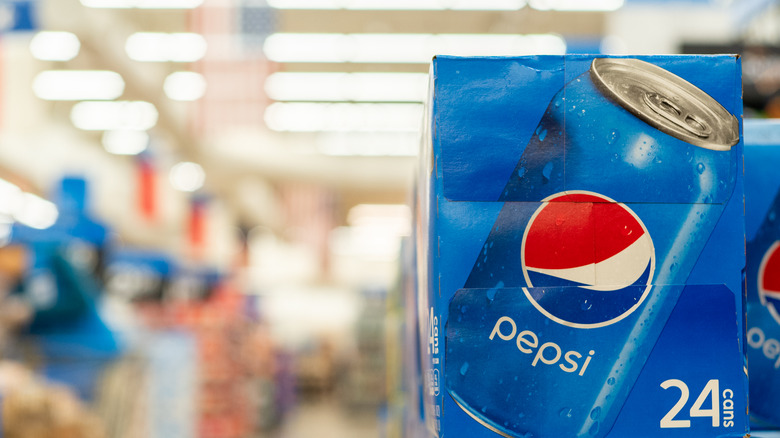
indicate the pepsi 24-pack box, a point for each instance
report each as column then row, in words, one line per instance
column 580, row 248
column 762, row 231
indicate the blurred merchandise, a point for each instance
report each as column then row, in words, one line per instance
column 365, row 383
column 395, row 356
column 760, row 74
column 33, row 408
column 232, row 360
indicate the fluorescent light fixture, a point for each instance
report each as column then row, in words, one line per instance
column 343, row 117
column 26, row 208
column 125, row 141
column 143, row 4
column 576, row 5
column 78, row 85
column 185, row 86
column 105, row 116
column 187, row 176
column 6, row 228
column 55, row 46
column 403, row 48
column 613, row 45
column 395, row 219
column 357, row 87
column 10, row 198
column 368, row 143
column 36, row 212
column 307, row 47
column 163, row 47
column 433, row 5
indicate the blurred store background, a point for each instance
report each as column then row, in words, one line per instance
column 203, row 202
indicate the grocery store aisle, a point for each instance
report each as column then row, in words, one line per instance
column 328, row 419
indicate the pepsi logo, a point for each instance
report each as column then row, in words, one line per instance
column 769, row 280
column 587, row 259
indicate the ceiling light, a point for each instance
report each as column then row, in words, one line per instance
column 36, row 212
column 576, row 5
column 504, row 5
column 395, row 217
column 125, row 141
column 55, row 46
column 78, row 85
column 144, row 4
column 368, row 143
column 11, row 197
column 187, row 176
column 403, row 48
column 343, row 117
column 162, row 47
column 358, row 87
column 105, row 116
column 185, row 86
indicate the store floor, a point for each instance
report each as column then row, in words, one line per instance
column 328, row 419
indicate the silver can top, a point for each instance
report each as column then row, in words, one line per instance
column 666, row 101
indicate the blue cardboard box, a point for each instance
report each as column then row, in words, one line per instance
column 580, row 248
column 762, row 229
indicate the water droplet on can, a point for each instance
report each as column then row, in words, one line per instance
column 547, row 170
column 612, row 137
column 491, row 293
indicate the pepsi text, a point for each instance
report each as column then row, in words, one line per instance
column 769, row 347
column 549, row 353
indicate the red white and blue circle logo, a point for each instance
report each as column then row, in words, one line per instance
column 769, row 280
column 587, row 259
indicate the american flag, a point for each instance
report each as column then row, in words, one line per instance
column 234, row 66
column 310, row 215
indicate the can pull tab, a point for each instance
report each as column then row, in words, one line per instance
column 667, row 109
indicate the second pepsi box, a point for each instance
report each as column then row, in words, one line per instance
column 580, row 248
column 762, row 228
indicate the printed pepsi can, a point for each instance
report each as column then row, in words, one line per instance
column 571, row 315
column 762, row 226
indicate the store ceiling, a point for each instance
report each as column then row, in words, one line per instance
column 225, row 131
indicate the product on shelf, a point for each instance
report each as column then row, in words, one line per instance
column 580, row 245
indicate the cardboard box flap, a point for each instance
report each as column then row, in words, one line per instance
column 501, row 140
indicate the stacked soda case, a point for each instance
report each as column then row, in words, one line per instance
column 580, row 248
column 395, row 396
column 224, row 364
column 762, row 229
